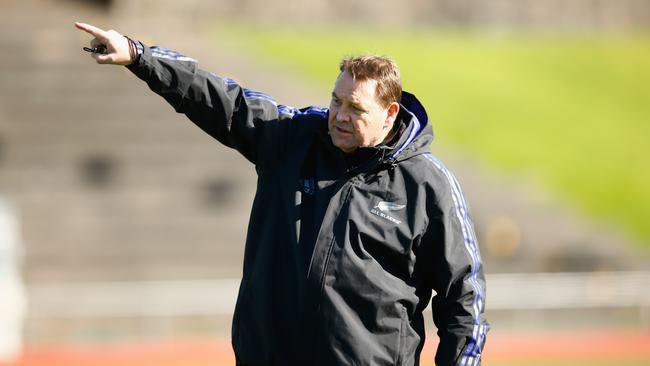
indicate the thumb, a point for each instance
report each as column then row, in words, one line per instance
column 103, row 59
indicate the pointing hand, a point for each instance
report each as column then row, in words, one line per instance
column 117, row 45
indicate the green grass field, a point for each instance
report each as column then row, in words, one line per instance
column 569, row 113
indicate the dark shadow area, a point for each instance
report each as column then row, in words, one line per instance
column 101, row 4
column 215, row 193
column 97, row 171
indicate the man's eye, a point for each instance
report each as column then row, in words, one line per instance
column 336, row 102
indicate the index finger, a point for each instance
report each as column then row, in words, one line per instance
column 97, row 32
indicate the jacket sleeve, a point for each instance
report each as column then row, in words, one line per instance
column 235, row 116
column 455, row 272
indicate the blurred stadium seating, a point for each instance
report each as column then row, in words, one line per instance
column 133, row 221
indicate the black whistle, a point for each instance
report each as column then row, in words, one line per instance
column 99, row 49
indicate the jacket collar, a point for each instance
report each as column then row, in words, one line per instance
column 414, row 123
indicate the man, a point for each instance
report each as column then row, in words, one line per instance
column 354, row 222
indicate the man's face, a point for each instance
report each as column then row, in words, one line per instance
column 356, row 119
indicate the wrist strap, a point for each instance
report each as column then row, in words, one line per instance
column 134, row 50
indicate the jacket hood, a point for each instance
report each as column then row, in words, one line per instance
column 416, row 132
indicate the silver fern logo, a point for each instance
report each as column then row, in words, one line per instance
column 389, row 206
column 382, row 207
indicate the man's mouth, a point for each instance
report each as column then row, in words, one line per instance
column 342, row 131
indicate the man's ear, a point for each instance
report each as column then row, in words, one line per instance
column 391, row 114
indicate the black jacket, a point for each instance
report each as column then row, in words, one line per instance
column 342, row 252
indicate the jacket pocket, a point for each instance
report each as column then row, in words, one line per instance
column 401, row 341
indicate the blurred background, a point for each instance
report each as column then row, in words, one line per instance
column 122, row 225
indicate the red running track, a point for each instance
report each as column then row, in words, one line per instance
column 502, row 347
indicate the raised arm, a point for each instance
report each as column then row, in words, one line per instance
column 237, row 117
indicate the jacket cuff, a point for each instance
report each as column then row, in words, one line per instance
column 140, row 49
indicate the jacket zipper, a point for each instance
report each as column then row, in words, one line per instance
column 349, row 179
column 348, row 192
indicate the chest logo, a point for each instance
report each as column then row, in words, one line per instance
column 309, row 186
column 383, row 207
column 389, row 206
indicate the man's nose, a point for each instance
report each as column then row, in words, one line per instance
column 342, row 116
